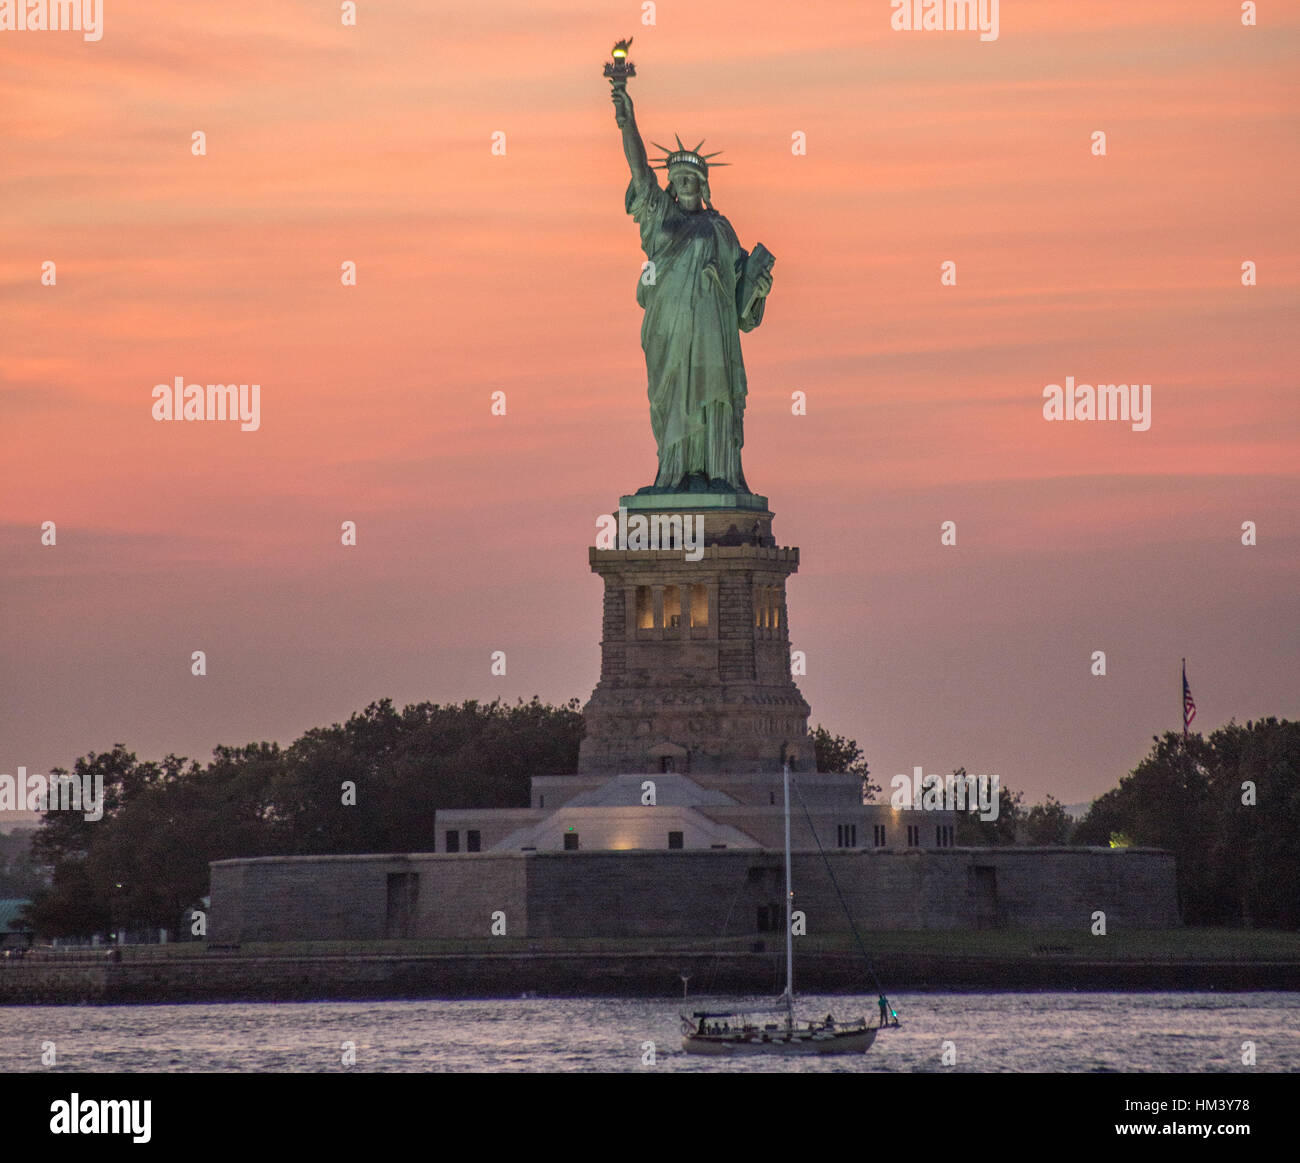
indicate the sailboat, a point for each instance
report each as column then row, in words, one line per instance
column 727, row 1032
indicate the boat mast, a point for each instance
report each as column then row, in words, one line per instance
column 789, row 907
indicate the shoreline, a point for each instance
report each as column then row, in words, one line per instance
column 236, row 977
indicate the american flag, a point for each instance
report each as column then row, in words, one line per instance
column 1189, row 703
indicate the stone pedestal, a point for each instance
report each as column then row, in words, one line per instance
column 695, row 646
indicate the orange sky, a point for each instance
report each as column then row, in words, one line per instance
column 479, row 273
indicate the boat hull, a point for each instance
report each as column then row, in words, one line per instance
column 801, row 1042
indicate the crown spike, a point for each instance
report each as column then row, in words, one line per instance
column 702, row 163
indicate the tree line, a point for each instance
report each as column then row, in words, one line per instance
column 1227, row 806
column 371, row 784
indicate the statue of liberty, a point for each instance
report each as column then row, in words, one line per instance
column 701, row 291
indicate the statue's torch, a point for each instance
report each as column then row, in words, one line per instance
column 620, row 68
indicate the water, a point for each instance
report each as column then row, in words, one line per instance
column 990, row 1032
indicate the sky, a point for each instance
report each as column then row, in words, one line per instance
column 861, row 156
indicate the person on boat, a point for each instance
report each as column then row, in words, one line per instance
column 703, row 1026
column 884, row 1010
column 830, row 1021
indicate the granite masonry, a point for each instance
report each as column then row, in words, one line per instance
column 682, row 894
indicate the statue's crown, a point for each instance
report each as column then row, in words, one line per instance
column 681, row 156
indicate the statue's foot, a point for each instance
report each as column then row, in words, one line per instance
column 695, row 482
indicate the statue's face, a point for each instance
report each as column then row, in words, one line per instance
column 687, row 184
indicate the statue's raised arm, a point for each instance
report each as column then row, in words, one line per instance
column 633, row 146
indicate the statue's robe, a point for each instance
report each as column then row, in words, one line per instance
column 690, row 334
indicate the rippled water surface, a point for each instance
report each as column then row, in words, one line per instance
column 1087, row 1032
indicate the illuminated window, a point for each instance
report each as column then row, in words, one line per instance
column 699, row 605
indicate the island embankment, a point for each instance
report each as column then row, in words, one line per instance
column 998, row 960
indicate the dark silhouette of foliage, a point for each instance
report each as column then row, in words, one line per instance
column 835, row 753
column 1238, row 861
column 1002, row 831
column 1047, row 824
column 147, row 860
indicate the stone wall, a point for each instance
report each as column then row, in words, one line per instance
column 652, row 894
column 959, row 888
column 684, row 893
column 460, row 894
column 721, row 692
column 338, row 898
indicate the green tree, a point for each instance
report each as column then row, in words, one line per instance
column 835, row 753
column 1253, row 857
column 1047, row 823
column 20, row 876
column 999, row 832
column 72, row 906
column 1228, row 808
column 147, row 859
column 78, row 901
column 407, row 765
column 1163, row 803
